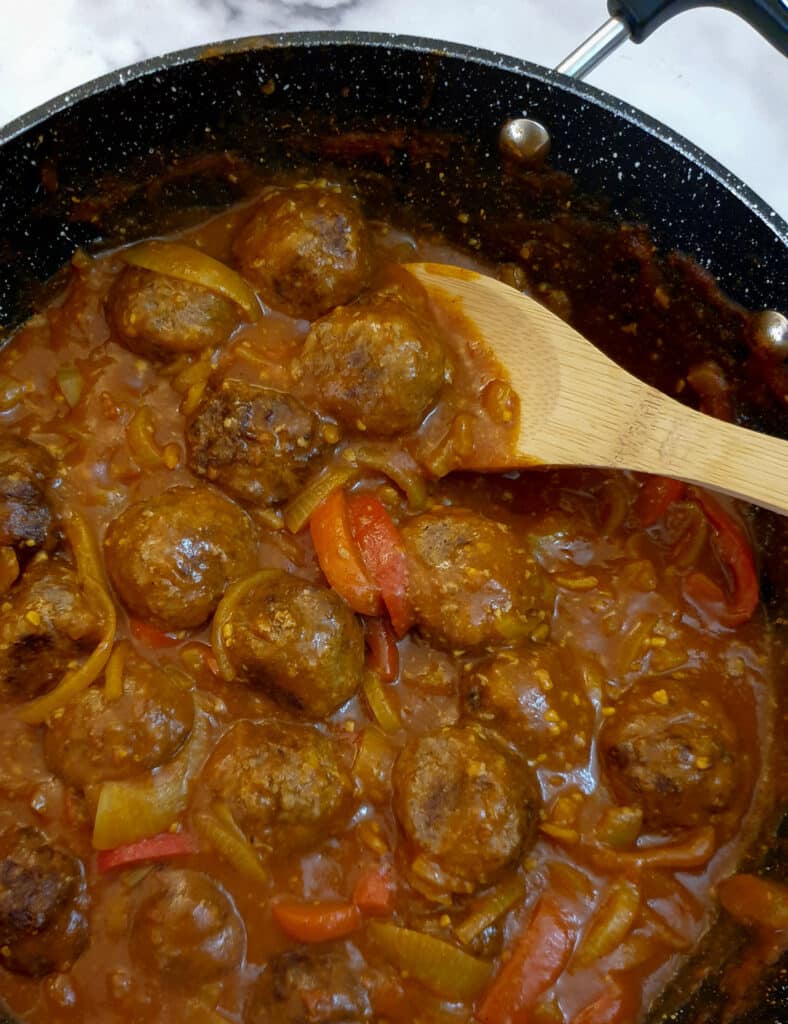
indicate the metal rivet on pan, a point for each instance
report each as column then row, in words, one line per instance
column 525, row 140
column 770, row 334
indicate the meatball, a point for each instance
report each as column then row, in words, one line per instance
column 298, row 642
column 305, row 249
column 255, row 443
column 472, row 583
column 536, row 699
column 26, row 471
column 670, row 749
column 305, row 986
column 93, row 740
column 46, row 623
column 377, row 366
column 161, row 317
column 284, row 784
column 186, row 929
column 468, row 806
column 171, row 557
column 43, row 927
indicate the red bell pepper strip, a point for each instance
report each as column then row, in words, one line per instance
column 735, row 554
column 317, row 922
column 166, row 844
column 538, row 957
column 383, row 554
column 339, row 556
column 607, row 1009
column 656, row 496
column 374, row 892
column 382, row 647
column 150, row 636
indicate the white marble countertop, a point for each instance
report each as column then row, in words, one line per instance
column 707, row 74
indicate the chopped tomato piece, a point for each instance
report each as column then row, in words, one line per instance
column 317, row 922
column 656, row 496
column 384, row 557
column 607, row 1009
column 150, row 636
column 383, row 653
column 736, row 557
column 340, row 558
column 538, row 957
column 755, row 901
column 374, row 892
column 166, row 844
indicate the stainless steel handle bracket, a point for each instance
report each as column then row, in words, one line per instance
column 595, row 49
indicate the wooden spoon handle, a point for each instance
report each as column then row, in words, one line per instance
column 672, row 440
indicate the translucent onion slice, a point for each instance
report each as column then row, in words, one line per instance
column 441, row 967
column 221, row 630
column 91, row 575
column 174, row 259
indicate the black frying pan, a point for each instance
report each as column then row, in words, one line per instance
column 161, row 142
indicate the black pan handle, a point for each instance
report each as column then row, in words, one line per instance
column 637, row 19
column 642, row 17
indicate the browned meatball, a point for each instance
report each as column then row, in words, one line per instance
column 186, row 928
column 46, row 623
column 284, row 784
column 43, row 927
column 377, row 366
column 171, row 557
column 305, row 249
column 26, row 472
column 535, row 697
column 308, row 987
column 670, row 748
column 467, row 804
column 472, row 582
column 255, row 443
column 160, row 317
column 93, row 740
column 298, row 642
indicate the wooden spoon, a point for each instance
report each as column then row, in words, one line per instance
column 579, row 408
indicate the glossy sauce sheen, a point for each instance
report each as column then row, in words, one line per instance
column 616, row 618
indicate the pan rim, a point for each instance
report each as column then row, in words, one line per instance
column 690, row 152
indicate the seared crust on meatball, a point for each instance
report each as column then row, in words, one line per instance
column 46, row 624
column 531, row 696
column 171, row 557
column 472, row 582
column 468, row 806
column 43, row 927
column 186, row 928
column 93, row 739
column 26, row 472
column 160, row 317
column 670, row 749
column 300, row 986
column 284, row 783
column 298, row 642
column 377, row 365
column 305, row 249
column 255, row 443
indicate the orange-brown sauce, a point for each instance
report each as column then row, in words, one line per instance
column 619, row 615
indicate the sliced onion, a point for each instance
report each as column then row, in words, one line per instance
column 230, row 843
column 174, row 259
column 137, row 808
column 221, row 619
column 380, row 702
column 441, row 967
column 299, row 510
column 490, row 908
column 611, row 923
column 91, row 575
